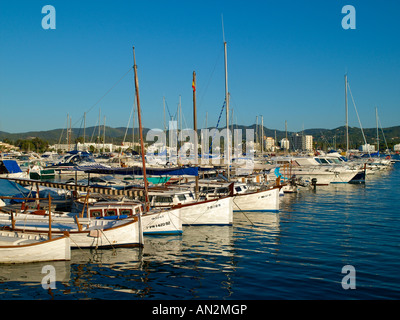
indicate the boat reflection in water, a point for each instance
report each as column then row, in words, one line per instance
column 205, row 262
column 35, row 272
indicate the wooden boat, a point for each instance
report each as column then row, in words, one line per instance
column 19, row 247
column 243, row 199
column 84, row 232
column 194, row 212
column 154, row 221
column 95, row 233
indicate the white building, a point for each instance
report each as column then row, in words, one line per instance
column 285, row 144
column 302, row 142
column 396, row 147
column 269, row 143
column 367, row 148
column 308, row 143
column 107, row 147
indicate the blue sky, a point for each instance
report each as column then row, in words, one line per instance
column 286, row 61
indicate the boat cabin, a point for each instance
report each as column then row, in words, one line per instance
column 104, row 209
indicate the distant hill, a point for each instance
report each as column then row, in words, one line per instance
column 323, row 137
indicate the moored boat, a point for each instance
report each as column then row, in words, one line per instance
column 20, row 247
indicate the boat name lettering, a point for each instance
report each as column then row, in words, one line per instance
column 162, row 224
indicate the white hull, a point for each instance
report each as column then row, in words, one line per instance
column 156, row 221
column 162, row 222
column 265, row 200
column 24, row 248
column 93, row 234
column 209, row 212
column 326, row 177
column 122, row 233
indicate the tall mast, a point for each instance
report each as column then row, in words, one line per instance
column 133, row 127
column 262, row 137
column 227, row 148
column 195, row 131
column 257, row 132
column 98, row 135
column 140, row 132
column 347, row 116
column 377, row 131
column 286, row 139
column 68, row 132
column 165, row 126
column 84, row 128
column 104, row 135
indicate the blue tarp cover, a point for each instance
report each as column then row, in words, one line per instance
column 12, row 166
column 176, row 171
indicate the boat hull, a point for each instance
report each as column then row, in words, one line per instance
column 162, row 222
column 98, row 233
column 56, row 249
column 264, row 200
column 209, row 212
column 326, row 177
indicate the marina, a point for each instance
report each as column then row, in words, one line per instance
column 260, row 174
column 298, row 252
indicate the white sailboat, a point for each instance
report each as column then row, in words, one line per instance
column 169, row 220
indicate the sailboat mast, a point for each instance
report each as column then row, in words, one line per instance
column 227, row 148
column 104, row 135
column 262, row 137
column 140, row 132
column 377, row 131
column 347, row 115
column 84, row 128
column 165, row 126
column 195, row 132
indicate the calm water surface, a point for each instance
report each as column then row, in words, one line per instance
column 297, row 253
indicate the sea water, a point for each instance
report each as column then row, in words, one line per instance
column 335, row 242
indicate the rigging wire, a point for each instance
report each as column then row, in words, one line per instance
column 219, row 118
column 104, row 95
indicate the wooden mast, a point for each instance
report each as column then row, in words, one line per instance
column 347, row 116
column 140, row 132
column 377, row 129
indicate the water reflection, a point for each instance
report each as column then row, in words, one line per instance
column 32, row 272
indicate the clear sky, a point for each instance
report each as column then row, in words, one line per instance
column 286, row 61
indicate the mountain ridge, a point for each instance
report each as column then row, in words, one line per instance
column 322, row 136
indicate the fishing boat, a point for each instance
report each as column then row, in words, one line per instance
column 20, row 247
column 257, row 198
column 154, row 221
column 84, row 232
column 192, row 211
